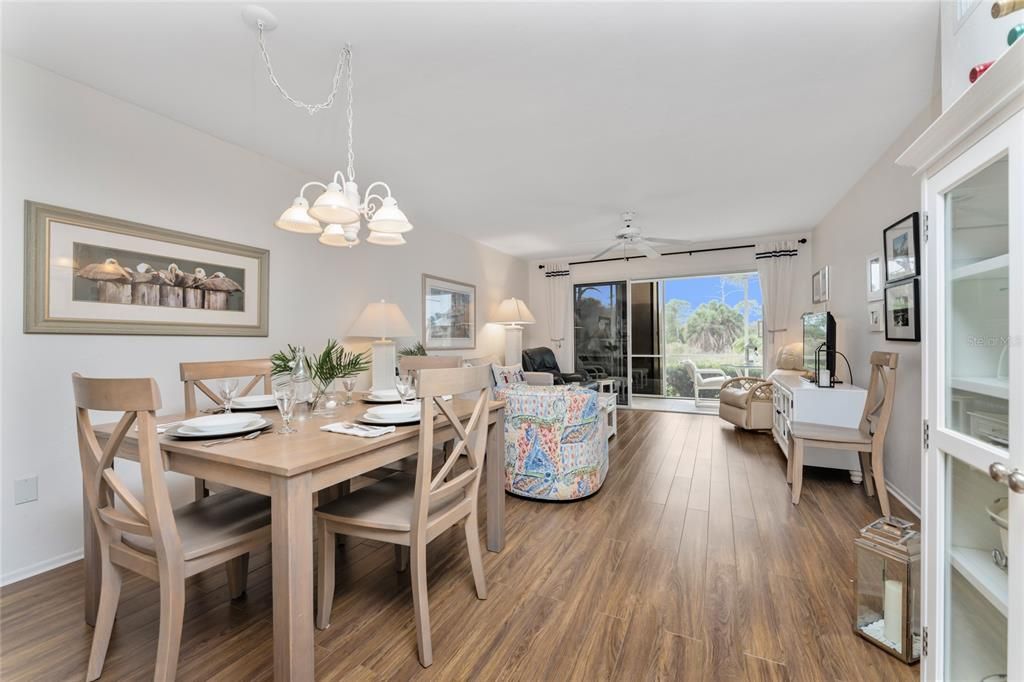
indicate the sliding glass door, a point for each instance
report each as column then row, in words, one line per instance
column 647, row 349
column 599, row 312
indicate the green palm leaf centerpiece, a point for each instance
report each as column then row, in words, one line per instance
column 333, row 362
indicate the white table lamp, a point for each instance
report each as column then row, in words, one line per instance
column 382, row 321
column 513, row 313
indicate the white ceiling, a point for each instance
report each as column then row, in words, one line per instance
column 530, row 127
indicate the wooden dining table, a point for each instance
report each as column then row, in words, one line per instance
column 290, row 468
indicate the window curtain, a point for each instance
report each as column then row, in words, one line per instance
column 776, row 267
column 559, row 286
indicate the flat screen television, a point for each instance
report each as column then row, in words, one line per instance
column 819, row 328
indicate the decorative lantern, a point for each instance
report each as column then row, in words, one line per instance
column 888, row 580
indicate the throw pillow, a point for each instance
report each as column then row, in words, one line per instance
column 507, row 375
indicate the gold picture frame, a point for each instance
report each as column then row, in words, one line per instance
column 64, row 294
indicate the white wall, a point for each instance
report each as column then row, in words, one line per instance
column 850, row 232
column 719, row 262
column 975, row 39
column 68, row 145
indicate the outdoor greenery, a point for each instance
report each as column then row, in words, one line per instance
column 711, row 334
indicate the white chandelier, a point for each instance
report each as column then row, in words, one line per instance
column 337, row 213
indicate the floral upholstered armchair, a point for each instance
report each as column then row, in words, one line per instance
column 555, row 447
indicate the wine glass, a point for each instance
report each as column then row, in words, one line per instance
column 403, row 384
column 284, row 396
column 349, row 384
column 228, row 389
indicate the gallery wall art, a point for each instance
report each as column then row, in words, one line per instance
column 92, row 274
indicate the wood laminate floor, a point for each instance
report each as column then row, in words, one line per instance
column 690, row 564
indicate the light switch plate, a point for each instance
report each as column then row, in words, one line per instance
column 26, row 490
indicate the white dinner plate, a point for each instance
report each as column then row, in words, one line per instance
column 219, row 422
column 385, row 397
column 370, row 419
column 394, row 411
column 253, row 402
column 180, row 431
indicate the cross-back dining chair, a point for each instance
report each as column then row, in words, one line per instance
column 868, row 439
column 412, row 510
column 196, row 374
column 414, row 363
column 148, row 536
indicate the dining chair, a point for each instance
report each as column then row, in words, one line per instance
column 413, row 363
column 868, row 439
column 148, row 536
column 412, row 510
column 195, row 374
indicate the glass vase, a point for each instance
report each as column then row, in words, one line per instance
column 327, row 402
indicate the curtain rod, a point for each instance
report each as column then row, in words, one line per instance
column 670, row 253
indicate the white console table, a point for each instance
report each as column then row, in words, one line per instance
column 797, row 400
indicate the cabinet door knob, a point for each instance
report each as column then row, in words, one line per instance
column 998, row 472
column 1016, row 482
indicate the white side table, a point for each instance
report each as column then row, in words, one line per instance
column 606, row 385
column 609, row 412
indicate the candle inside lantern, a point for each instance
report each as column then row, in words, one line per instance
column 892, row 612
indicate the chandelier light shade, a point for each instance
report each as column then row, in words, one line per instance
column 338, row 212
column 340, row 235
column 333, row 206
column 385, row 239
column 297, row 219
column 389, row 218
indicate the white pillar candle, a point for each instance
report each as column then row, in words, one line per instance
column 892, row 612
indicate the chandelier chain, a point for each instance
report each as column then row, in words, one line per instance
column 343, row 57
column 349, row 84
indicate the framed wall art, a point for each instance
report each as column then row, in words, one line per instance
column 901, row 249
column 92, row 274
column 819, row 286
column 903, row 311
column 876, row 316
column 873, row 277
column 449, row 314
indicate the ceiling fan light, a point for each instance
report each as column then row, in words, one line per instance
column 297, row 219
column 385, row 239
column 334, row 206
column 340, row 235
column 390, row 219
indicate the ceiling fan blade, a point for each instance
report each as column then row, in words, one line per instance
column 643, row 247
column 606, row 251
column 669, row 242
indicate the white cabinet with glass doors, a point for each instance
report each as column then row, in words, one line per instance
column 972, row 165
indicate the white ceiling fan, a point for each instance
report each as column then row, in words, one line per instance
column 630, row 237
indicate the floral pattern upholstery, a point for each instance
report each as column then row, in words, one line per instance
column 554, row 445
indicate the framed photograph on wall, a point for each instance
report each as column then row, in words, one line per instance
column 903, row 311
column 819, row 286
column 873, row 277
column 449, row 314
column 876, row 316
column 901, row 249
column 92, row 274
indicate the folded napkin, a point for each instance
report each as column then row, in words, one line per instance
column 361, row 430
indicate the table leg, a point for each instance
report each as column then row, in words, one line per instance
column 495, row 459
column 91, row 556
column 292, row 548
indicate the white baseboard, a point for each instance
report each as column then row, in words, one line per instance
column 902, row 497
column 41, row 567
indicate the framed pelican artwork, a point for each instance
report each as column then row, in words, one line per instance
column 91, row 274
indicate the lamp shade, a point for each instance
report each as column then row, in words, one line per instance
column 297, row 218
column 389, row 218
column 385, row 239
column 333, row 206
column 340, row 235
column 513, row 311
column 381, row 320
